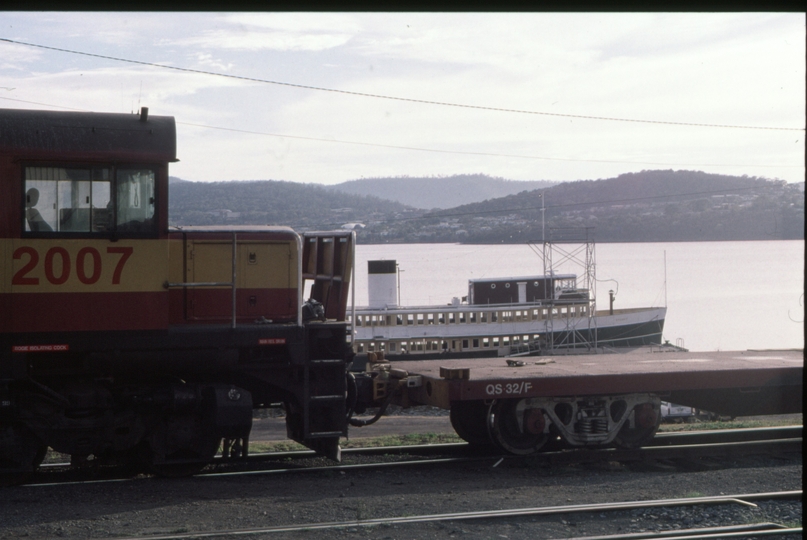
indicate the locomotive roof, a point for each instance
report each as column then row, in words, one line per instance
column 32, row 134
column 231, row 228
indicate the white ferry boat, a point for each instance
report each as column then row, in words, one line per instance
column 513, row 316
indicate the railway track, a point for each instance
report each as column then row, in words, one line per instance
column 685, row 450
column 731, row 531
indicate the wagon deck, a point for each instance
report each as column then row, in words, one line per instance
column 732, row 383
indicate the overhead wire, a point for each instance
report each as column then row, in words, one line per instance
column 394, row 98
column 435, row 150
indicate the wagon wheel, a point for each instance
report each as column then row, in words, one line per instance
column 646, row 422
column 469, row 419
column 180, row 446
column 21, row 453
column 517, row 430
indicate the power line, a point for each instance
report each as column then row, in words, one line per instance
column 489, row 154
column 394, row 98
column 434, row 150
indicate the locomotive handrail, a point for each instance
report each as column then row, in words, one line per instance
column 168, row 285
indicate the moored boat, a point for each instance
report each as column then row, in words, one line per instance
column 507, row 316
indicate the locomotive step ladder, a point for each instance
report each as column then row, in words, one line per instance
column 324, row 397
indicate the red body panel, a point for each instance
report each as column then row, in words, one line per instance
column 215, row 305
column 76, row 312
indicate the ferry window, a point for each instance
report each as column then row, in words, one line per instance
column 534, row 314
column 430, row 318
column 371, row 346
column 410, row 319
column 485, row 342
column 392, row 346
column 495, row 342
column 476, row 343
column 464, row 343
column 494, row 316
column 388, row 320
column 441, row 318
column 450, row 318
column 516, row 340
column 505, row 341
column 89, row 199
column 507, row 316
column 420, row 318
column 398, row 320
column 462, row 317
column 360, row 347
column 483, row 317
column 473, row 317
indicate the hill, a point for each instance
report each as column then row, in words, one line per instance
column 270, row 202
column 649, row 206
column 439, row 191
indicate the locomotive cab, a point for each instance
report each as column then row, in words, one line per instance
column 124, row 339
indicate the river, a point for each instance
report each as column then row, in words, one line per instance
column 719, row 295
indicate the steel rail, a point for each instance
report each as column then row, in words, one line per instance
column 550, row 458
column 661, row 439
column 731, row 531
column 743, row 499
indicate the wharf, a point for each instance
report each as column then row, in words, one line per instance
column 739, row 383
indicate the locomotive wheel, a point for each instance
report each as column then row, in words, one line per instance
column 470, row 420
column 179, row 447
column 21, row 453
column 646, row 423
column 519, row 432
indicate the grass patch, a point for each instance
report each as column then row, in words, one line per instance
column 389, row 440
column 737, row 423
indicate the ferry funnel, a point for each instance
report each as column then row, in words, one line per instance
column 382, row 284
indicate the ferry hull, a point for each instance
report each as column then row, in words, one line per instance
column 628, row 328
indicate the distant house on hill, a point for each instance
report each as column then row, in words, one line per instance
column 225, row 214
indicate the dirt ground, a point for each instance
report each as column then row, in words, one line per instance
column 274, row 429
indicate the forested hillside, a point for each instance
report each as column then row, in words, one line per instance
column 439, row 191
column 268, row 202
column 648, row 206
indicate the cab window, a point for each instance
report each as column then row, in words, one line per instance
column 90, row 200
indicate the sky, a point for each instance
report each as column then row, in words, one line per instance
column 330, row 97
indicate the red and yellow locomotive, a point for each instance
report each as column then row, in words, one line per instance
column 123, row 339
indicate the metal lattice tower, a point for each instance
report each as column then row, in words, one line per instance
column 572, row 249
